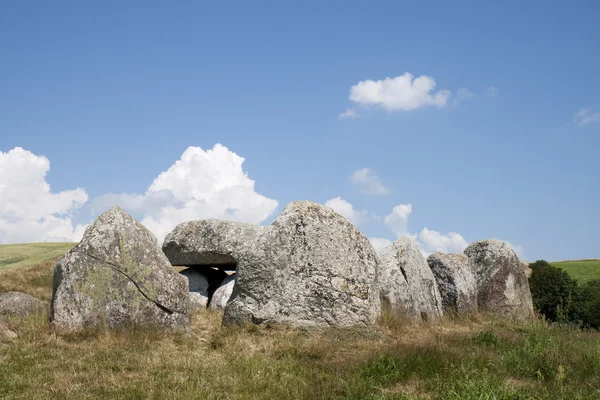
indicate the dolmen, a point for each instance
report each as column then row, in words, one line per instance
column 309, row 268
column 211, row 250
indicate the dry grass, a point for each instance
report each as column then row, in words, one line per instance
column 474, row 358
column 35, row 280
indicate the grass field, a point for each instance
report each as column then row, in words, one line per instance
column 24, row 255
column 479, row 358
column 580, row 270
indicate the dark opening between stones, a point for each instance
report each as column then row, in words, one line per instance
column 215, row 274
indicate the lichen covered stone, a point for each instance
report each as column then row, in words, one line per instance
column 406, row 284
column 309, row 268
column 502, row 287
column 209, row 242
column 16, row 304
column 456, row 280
column 117, row 277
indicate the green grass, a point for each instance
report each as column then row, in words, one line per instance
column 580, row 270
column 25, row 255
column 457, row 359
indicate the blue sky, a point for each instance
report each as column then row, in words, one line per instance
column 113, row 93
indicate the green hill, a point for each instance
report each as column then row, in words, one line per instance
column 580, row 270
column 25, row 255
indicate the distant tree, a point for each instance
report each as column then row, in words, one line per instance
column 553, row 292
column 586, row 307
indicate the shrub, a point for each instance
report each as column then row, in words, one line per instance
column 553, row 292
column 586, row 307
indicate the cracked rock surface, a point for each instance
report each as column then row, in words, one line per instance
column 502, row 287
column 117, row 277
column 406, row 283
column 310, row 267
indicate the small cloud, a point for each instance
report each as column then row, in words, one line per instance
column 346, row 210
column 587, row 115
column 464, row 94
column 348, row 114
column 435, row 241
column 404, row 92
column 397, row 220
column 492, row 91
column 368, row 182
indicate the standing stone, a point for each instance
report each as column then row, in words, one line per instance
column 456, row 280
column 221, row 296
column 501, row 282
column 117, row 277
column 16, row 304
column 198, row 288
column 310, row 267
column 406, row 282
column 210, row 243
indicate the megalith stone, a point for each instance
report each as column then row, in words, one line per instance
column 16, row 304
column 406, row 283
column 456, row 280
column 502, row 287
column 198, row 288
column 118, row 277
column 221, row 296
column 209, row 243
column 309, row 268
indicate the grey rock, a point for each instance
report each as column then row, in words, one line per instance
column 223, row 293
column 16, row 304
column 209, row 242
column 456, row 280
column 117, row 277
column 198, row 288
column 5, row 333
column 501, row 282
column 406, row 282
column 309, row 268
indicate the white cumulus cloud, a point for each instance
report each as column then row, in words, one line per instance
column 202, row 184
column 29, row 210
column 404, row 92
column 397, row 220
column 347, row 210
column 587, row 115
column 433, row 241
column 368, row 182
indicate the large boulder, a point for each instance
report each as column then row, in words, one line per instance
column 456, row 280
column 117, row 277
column 209, row 243
column 16, row 304
column 502, row 287
column 198, row 288
column 221, row 296
column 406, row 283
column 309, row 268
